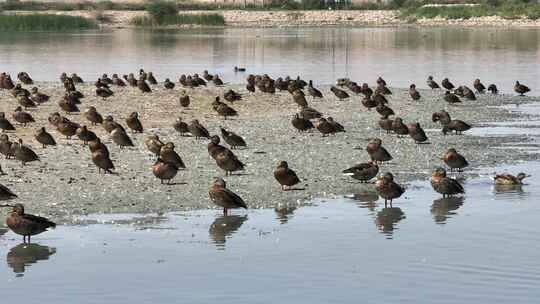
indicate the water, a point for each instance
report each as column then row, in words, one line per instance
column 401, row 55
column 479, row 248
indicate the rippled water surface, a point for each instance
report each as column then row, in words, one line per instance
column 402, row 56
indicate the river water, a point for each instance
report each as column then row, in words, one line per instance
column 401, row 55
column 479, row 248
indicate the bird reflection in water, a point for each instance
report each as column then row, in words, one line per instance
column 387, row 218
column 23, row 255
column 443, row 208
column 511, row 190
column 223, row 227
column 284, row 213
column 367, row 199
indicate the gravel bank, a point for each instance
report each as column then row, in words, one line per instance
column 66, row 181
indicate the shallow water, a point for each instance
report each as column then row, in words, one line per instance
column 401, row 55
column 481, row 248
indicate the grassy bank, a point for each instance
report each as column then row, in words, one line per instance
column 181, row 19
column 44, row 22
column 507, row 10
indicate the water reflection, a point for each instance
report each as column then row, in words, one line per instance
column 284, row 214
column 3, row 231
column 508, row 189
column 223, row 227
column 366, row 199
column 443, row 208
column 23, row 255
column 387, row 219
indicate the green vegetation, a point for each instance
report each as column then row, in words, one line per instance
column 44, row 22
column 12, row 5
column 180, row 19
column 412, row 9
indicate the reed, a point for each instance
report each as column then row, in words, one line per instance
column 44, row 22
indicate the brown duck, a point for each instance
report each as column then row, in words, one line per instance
column 24, row 224
column 168, row 84
column 154, row 144
column 415, row 95
column 26, row 102
column 93, row 116
column 454, row 160
column 134, row 123
column 445, row 185
column 181, row 127
column 25, row 78
column 231, row 96
column 24, row 154
column 431, row 83
column 6, row 193
column 22, row 117
column 363, row 172
column 301, row 124
column 384, row 110
column 164, row 170
column 223, row 197
column 121, row 138
column 6, row 146
column 168, row 155
column 377, row 152
column 309, row 113
column 228, row 162
column 68, row 105
column 451, row 97
column 151, row 79
column 442, row 116
column 198, row 130
column 143, row 86
column 118, row 81
column 399, row 127
column 223, row 109
column 480, row 88
column 417, row 133
column 85, row 135
column 38, row 97
column 232, row 139
column 5, row 124
column 325, row 127
column 66, row 127
column 388, row 189
column 456, row 125
column 386, row 124
column 184, row 100
column 104, row 92
column 109, row 124
column 339, row 93
column 521, row 89
column 447, row 84
column 214, row 148
column 299, row 98
column 509, row 179
column 101, row 159
column 96, row 145
column 45, row 138
column 314, row 92
column 285, row 176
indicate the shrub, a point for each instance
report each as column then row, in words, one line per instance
column 161, row 10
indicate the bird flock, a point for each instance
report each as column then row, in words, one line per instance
column 168, row 162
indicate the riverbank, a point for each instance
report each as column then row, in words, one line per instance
column 308, row 18
column 66, row 182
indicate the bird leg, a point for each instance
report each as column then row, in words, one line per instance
column 225, row 211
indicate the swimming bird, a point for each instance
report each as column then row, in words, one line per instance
column 454, row 160
column 388, row 189
column 164, row 170
column 285, row 176
column 232, row 139
column 377, row 152
column 301, row 124
column 417, row 133
column 223, row 197
column 85, row 135
column 38, row 97
column 314, row 92
column 223, row 109
column 44, row 138
column 445, row 185
column 168, row 84
column 22, row 117
column 340, row 94
column 25, row 224
column 456, row 125
column 181, row 127
column 480, row 88
column 184, row 100
column 447, row 84
column 134, row 123
column 415, row 95
column 121, row 138
column 237, row 69
column 431, row 83
column 451, row 97
column 363, row 172
column 509, row 179
column 23, row 153
column 154, row 144
column 169, row 155
column 493, row 89
column 521, row 89
column 5, row 124
column 399, row 127
column 198, row 130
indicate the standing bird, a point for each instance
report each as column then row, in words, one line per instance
column 480, row 88
column 456, row 125
column 285, row 176
column 109, row 124
column 85, row 135
column 104, row 92
column 134, row 123
column 223, row 197
column 417, row 133
column 301, row 124
column 5, row 124
column 445, row 185
column 38, row 97
column 198, row 130
column 451, row 97
column 340, row 94
column 432, row 84
column 399, row 127
column 415, row 95
column 234, row 140
column 299, row 98
column 447, row 84
column 6, row 193
column 120, row 137
column 168, row 84
column 22, row 117
column 325, row 127
column 164, row 170
column 493, row 89
column 24, row 224
column 45, row 138
column 388, row 189
column 154, row 144
column 454, row 160
column 143, row 86
column 167, row 154
column 377, row 152
column 181, row 127
column 101, row 159
column 223, row 109
column 314, row 92
column 363, row 172
column 184, row 99
column 521, row 89
column 23, row 153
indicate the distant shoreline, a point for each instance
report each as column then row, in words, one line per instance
column 299, row 18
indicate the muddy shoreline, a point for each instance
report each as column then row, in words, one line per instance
column 65, row 182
